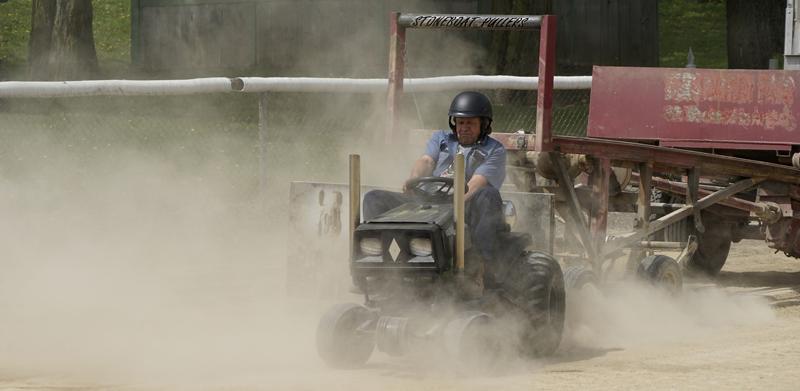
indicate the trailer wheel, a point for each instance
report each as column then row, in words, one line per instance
column 535, row 287
column 713, row 246
column 662, row 271
column 342, row 341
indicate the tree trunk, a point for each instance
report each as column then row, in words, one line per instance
column 62, row 41
column 755, row 32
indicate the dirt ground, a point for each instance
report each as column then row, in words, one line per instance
column 738, row 334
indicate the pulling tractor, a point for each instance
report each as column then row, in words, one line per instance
column 708, row 157
column 423, row 285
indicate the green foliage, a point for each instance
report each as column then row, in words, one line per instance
column 15, row 27
column 696, row 24
column 112, row 32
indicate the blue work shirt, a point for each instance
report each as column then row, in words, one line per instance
column 487, row 157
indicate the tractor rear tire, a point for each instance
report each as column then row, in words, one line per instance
column 534, row 286
column 341, row 342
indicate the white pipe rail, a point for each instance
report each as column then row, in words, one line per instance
column 57, row 89
column 442, row 83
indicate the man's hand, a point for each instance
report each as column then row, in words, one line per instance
column 422, row 167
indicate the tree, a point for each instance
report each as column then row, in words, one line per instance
column 755, row 32
column 61, row 45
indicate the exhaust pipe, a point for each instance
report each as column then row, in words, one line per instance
column 458, row 210
column 355, row 199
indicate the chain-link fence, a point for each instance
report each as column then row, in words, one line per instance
column 305, row 132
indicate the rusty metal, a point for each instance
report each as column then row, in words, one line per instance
column 679, row 188
column 458, row 210
column 692, row 187
column 470, row 22
column 575, row 213
column 643, row 211
column 397, row 52
column 643, row 203
column 784, row 236
column 629, row 239
column 723, row 109
column 355, row 200
column 547, row 69
column 688, row 250
column 599, row 181
column 767, row 211
column 664, row 159
column 655, row 244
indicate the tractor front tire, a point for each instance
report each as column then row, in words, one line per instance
column 342, row 341
column 534, row 286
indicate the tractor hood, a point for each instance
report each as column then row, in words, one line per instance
column 439, row 214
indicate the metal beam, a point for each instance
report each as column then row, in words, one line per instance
column 629, row 239
column 573, row 205
column 692, row 186
column 599, row 181
column 543, row 141
column 397, row 52
column 665, row 159
column 470, row 22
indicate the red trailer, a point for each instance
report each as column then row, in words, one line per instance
column 710, row 152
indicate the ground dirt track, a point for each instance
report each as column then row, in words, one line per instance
column 758, row 350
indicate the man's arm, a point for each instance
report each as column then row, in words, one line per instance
column 422, row 167
column 476, row 182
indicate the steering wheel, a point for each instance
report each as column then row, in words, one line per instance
column 431, row 188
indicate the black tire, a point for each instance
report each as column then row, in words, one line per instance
column 535, row 287
column 469, row 338
column 713, row 246
column 662, row 271
column 577, row 277
column 340, row 341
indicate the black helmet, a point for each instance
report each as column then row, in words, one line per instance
column 472, row 104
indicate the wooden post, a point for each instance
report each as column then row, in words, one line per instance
column 355, row 199
column 459, row 183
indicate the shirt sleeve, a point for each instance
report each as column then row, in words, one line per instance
column 434, row 145
column 494, row 168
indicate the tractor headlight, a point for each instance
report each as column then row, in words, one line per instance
column 420, row 247
column 371, row 246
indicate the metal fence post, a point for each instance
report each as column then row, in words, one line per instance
column 262, row 148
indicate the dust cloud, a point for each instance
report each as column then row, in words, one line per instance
column 126, row 263
column 127, row 266
column 630, row 313
column 137, row 268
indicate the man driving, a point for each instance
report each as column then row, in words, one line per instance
column 470, row 120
